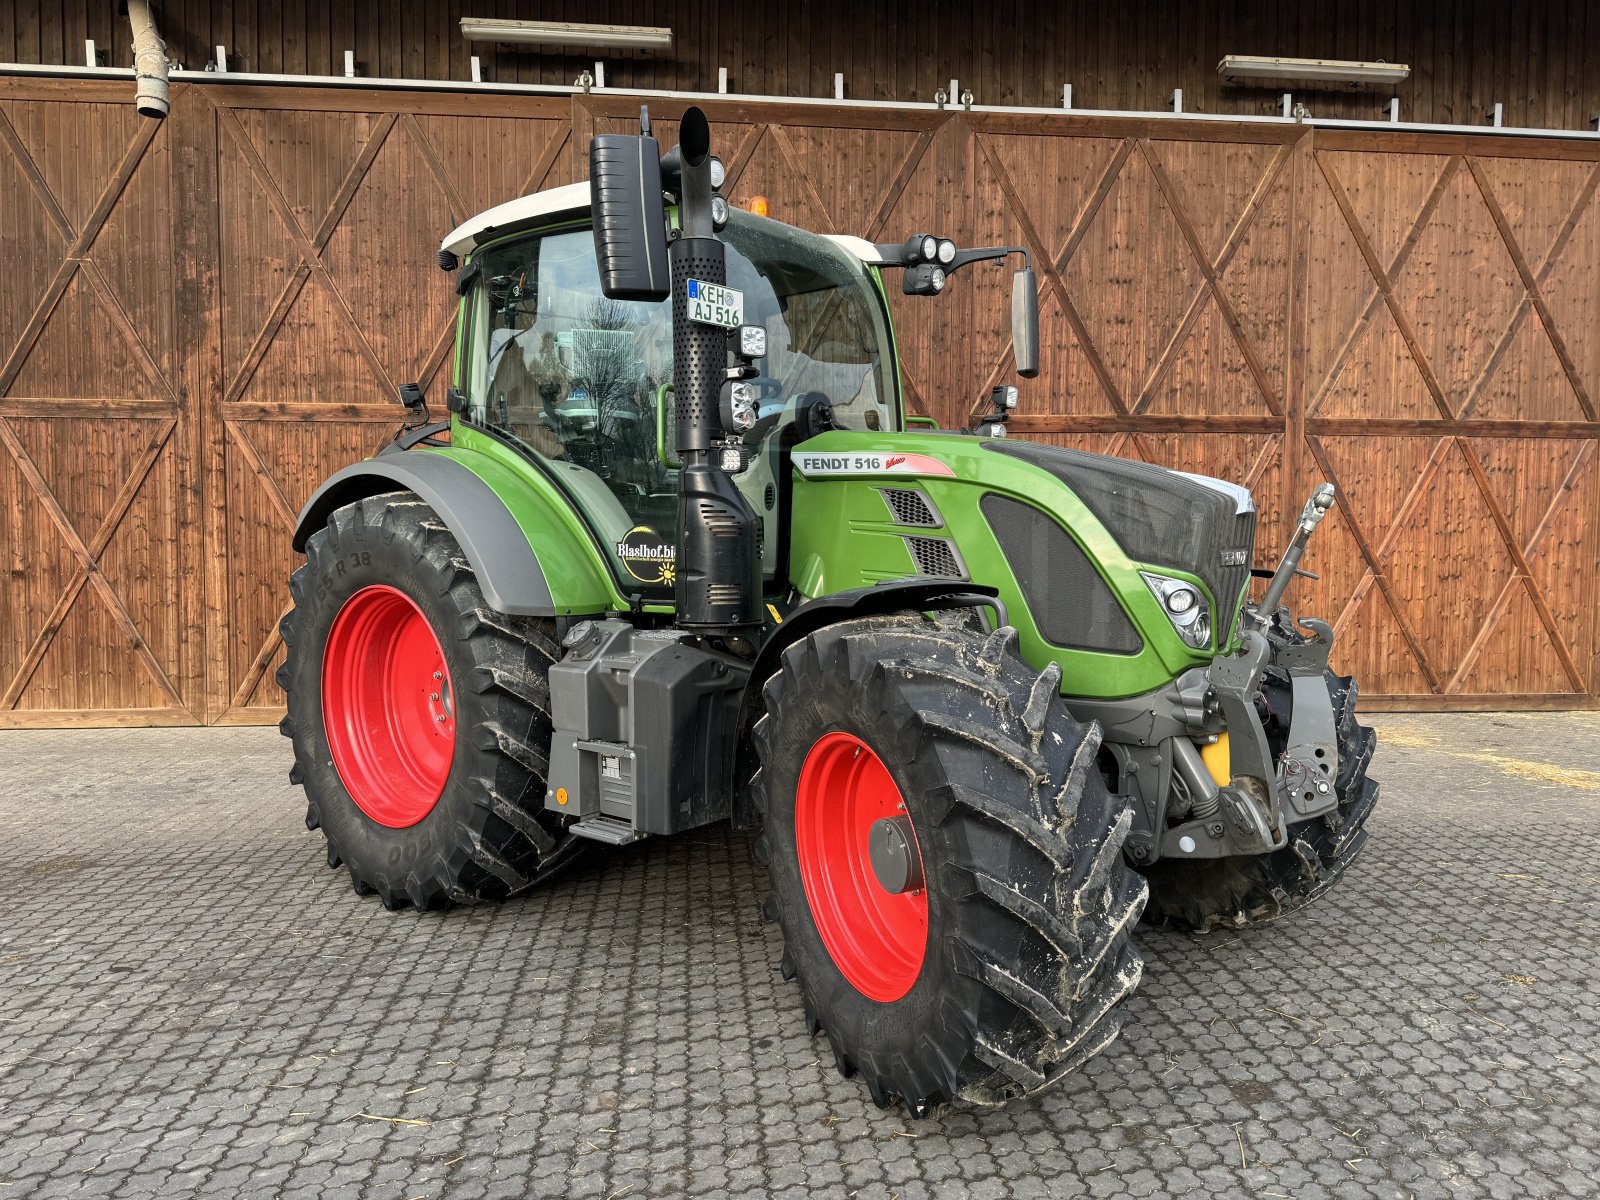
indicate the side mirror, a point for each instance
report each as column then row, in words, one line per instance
column 1025, row 321
column 630, row 230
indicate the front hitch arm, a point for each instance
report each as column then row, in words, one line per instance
column 1310, row 517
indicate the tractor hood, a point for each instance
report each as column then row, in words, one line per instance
column 1086, row 550
column 1194, row 523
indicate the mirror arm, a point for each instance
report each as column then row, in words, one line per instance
column 893, row 254
column 987, row 254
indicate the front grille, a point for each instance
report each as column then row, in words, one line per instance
column 1157, row 516
column 1070, row 603
column 910, row 507
column 1230, row 582
column 936, row 556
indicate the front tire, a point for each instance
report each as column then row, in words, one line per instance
column 1001, row 965
column 420, row 717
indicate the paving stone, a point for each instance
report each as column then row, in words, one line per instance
column 191, row 1004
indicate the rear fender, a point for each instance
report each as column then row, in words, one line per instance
column 529, row 560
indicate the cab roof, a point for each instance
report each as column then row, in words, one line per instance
column 525, row 212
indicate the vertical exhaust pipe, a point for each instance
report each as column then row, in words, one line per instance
column 149, row 61
column 718, row 588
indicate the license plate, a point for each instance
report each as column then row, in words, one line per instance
column 713, row 304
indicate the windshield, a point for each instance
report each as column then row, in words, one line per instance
column 826, row 330
column 581, row 381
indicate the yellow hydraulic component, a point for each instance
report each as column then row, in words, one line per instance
column 1218, row 760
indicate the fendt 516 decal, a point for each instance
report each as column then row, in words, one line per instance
column 817, row 464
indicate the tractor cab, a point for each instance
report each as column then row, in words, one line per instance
column 582, row 382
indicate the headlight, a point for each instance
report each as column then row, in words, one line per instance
column 1185, row 607
column 947, row 251
column 1180, row 600
column 930, row 248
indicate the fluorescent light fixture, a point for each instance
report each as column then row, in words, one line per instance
column 1246, row 68
column 577, row 36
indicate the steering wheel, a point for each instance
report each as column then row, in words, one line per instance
column 814, row 414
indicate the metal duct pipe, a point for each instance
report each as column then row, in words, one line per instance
column 149, row 61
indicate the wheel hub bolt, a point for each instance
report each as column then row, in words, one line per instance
column 892, row 849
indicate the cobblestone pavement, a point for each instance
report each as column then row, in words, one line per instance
column 191, row 1003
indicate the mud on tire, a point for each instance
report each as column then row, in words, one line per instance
column 487, row 836
column 1030, row 904
column 1234, row 893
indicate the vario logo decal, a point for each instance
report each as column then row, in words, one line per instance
column 648, row 556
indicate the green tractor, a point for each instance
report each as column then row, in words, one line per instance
column 678, row 556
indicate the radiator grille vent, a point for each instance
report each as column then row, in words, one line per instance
column 911, row 508
column 937, row 557
column 1068, row 600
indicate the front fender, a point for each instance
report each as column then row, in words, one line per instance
column 902, row 595
column 528, row 560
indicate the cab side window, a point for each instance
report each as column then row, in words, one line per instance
column 563, row 370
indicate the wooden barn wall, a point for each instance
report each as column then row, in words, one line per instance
column 1535, row 58
column 202, row 318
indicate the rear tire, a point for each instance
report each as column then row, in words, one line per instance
column 1235, row 893
column 478, row 829
column 1026, row 955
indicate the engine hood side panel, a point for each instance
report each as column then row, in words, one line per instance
column 846, row 534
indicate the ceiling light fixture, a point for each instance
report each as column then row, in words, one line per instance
column 1252, row 68
column 644, row 39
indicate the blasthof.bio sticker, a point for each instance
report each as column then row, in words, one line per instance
column 648, row 556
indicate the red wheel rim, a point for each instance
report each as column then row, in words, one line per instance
column 877, row 938
column 387, row 706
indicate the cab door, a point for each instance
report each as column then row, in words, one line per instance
column 575, row 380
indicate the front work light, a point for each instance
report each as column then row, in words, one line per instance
column 740, row 406
column 752, row 341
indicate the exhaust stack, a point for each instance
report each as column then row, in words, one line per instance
column 718, row 575
column 718, row 585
